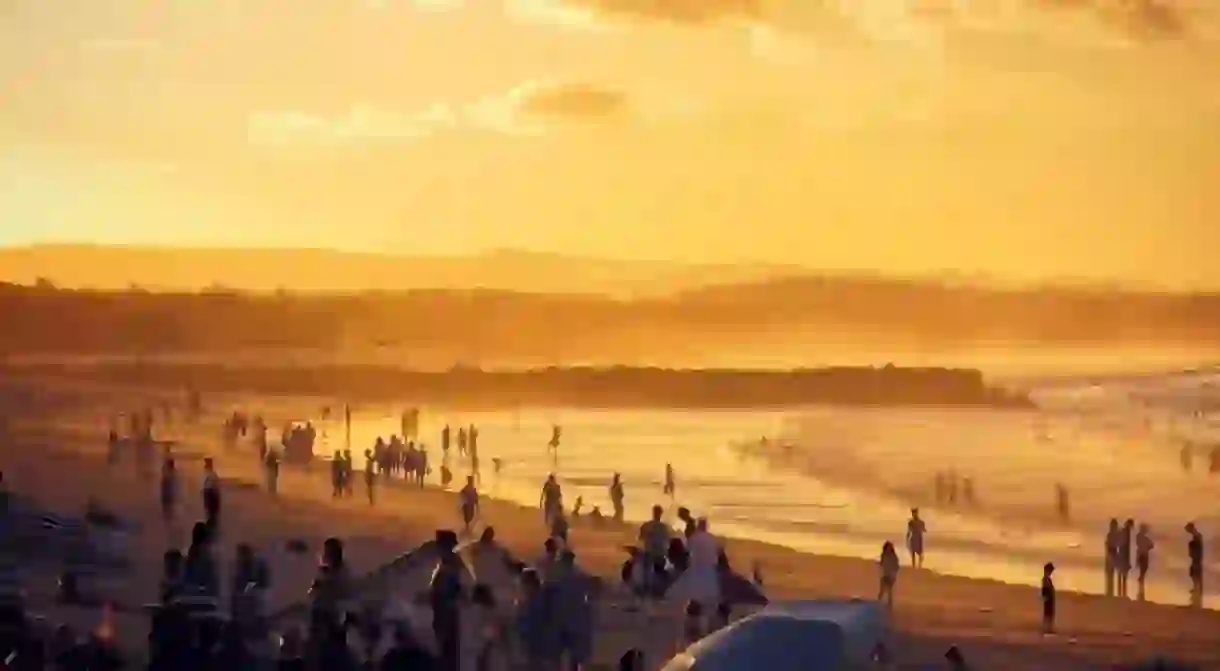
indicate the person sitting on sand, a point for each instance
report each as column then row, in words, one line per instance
column 889, row 565
column 1048, row 599
column 915, row 533
column 470, row 503
column 956, row 661
column 1143, row 556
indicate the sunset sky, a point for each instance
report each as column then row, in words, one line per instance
column 1020, row 138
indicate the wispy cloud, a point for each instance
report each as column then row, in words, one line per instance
column 524, row 110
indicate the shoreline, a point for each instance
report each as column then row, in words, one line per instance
column 995, row 623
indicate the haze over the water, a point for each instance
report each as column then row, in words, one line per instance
column 1022, row 139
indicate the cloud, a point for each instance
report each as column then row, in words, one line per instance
column 574, row 101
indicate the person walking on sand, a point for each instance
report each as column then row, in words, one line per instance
column 1194, row 549
column 211, row 495
column 915, row 533
column 445, row 440
column 551, row 500
column 1143, row 557
column 1048, row 599
column 336, row 475
column 654, row 536
column 669, row 488
column 470, row 503
column 889, row 565
column 1123, row 560
column 616, row 496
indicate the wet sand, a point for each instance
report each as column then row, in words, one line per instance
column 55, row 457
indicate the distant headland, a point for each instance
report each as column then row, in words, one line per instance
column 612, row 387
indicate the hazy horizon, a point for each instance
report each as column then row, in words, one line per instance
column 1024, row 140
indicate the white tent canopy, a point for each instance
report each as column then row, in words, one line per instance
column 792, row 636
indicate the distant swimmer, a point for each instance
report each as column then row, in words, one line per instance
column 670, row 488
column 556, row 433
column 1062, row 504
column 916, row 528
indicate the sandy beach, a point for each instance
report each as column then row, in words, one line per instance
column 53, row 454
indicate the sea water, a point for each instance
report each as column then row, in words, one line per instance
column 841, row 481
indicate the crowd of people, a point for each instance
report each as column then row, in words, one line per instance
column 540, row 616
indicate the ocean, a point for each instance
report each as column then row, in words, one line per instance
column 841, row 481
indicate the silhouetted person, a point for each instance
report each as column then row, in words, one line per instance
column 1194, row 549
column 211, row 494
column 1062, row 503
column 169, row 489
column 1048, row 599
column 654, row 536
column 616, row 496
column 370, row 475
column 889, row 565
column 955, row 659
column 470, row 503
column 1185, row 457
column 670, row 486
column 1143, row 556
column 632, row 660
column 916, row 528
column 1123, row 560
column 1113, row 539
column 445, row 595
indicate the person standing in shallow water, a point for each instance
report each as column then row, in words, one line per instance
column 370, row 475
column 670, row 488
column 1048, row 599
column 1143, row 557
column 1113, row 536
column 1123, row 567
column 916, row 528
column 1194, row 549
column 616, row 496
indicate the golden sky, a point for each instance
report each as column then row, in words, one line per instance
column 1020, row 138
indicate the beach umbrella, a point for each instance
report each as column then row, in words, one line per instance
column 792, row 636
